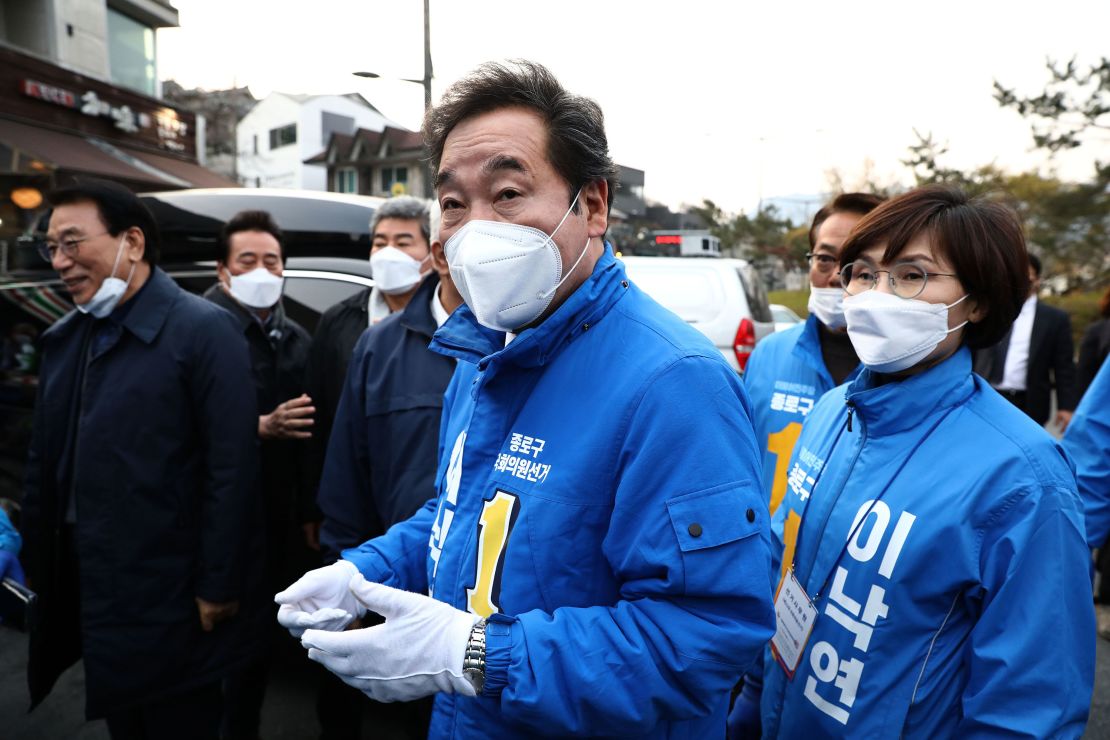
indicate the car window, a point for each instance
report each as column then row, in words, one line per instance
column 307, row 298
column 756, row 295
column 694, row 294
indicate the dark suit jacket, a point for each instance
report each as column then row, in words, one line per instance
column 1051, row 363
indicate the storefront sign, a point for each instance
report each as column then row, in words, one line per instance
column 170, row 129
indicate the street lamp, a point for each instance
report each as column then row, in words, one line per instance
column 426, row 82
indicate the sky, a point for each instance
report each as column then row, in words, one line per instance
column 730, row 101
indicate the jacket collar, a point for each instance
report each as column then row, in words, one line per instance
column 808, row 348
column 896, row 406
column 464, row 338
column 152, row 306
column 417, row 315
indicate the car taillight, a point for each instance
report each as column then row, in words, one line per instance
column 744, row 342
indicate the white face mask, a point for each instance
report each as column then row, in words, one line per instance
column 258, row 288
column 110, row 291
column 827, row 304
column 394, row 271
column 890, row 333
column 506, row 273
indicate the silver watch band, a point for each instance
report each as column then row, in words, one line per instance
column 474, row 660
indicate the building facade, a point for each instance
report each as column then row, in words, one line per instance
column 282, row 131
column 382, row 163
column 79, row 97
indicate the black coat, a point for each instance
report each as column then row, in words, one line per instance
column 279, row 356
column 383, row 452
column 157, row 444
column 337, row 332
column 1093, row 350
column 1051, row 363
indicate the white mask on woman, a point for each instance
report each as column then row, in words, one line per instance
column 891, row 334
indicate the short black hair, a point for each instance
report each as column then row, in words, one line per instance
column 248, row 221
column 119, row 210
column 981, row 238
column 576, row 143
column 858, row 203
column 1035, row 263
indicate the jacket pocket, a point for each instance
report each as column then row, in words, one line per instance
column 710, row 527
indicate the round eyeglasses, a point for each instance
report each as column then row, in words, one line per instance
column 67, row 246
column 907, row 279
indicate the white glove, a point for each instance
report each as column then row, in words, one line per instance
column 320, row 599
column 417, row 651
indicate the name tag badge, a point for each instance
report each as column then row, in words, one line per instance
column 795, row 615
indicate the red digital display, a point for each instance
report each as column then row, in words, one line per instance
column 668, row 239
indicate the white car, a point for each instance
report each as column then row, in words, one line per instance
column 784, row 317
column 724, row 299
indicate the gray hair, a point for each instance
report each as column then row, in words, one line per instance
column 404, row 207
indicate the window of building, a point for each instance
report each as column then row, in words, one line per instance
column 283, row 136
column 254, row 144
column 346, row 180
column 131, row 53
column 393, row 175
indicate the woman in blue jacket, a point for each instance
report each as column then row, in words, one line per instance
column 932, row 564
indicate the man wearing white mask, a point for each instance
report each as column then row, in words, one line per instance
column 399, row 257
column 790, row 370
column 140, row 506
column 249, row 264
column 595, row 560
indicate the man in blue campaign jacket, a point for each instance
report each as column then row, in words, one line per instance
column 595, row 550
column 1087, row 441
column 926, row 625
column 790, row 370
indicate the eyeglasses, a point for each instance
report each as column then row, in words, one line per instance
column 825, row 262
column 907, row 280
column 68, row 247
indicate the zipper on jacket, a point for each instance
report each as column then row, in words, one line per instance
column 851, row 410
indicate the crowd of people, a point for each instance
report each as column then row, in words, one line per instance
column 539, row 504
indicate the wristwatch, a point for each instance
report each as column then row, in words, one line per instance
column 474, row 660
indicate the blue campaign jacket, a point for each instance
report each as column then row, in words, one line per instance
column 785, row 376
column 1087, row 441
column 599, row 497
column 942, row 543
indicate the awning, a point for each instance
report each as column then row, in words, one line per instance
column 38, row 151
column 198, row 176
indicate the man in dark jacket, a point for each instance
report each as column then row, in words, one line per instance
column 1034, row 358
column 250, row 263
column 400, row 228
column 140, row 506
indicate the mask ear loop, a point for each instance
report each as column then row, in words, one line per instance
column 580, row 254
column 115, row 265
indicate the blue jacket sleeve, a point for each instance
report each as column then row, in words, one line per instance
column 399, row 558
column 1036, row 680
column 1087, row 442
column 345, row 495
column 688, row 543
